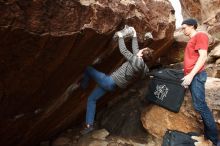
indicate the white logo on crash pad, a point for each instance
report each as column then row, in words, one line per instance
column 161, row 91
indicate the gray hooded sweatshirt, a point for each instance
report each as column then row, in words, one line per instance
column 133, row 68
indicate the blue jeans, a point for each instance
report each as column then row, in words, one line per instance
column 105, row 83
column 197, row 89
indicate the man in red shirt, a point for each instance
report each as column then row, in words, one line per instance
column 195, row 56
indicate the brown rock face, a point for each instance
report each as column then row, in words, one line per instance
column 206, row 11
column 46, row 45
column 200, row 9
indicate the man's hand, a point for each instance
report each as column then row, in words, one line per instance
column 140, row 53
column 187, row 80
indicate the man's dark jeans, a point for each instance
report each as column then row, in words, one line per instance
column 105, row 83
column 197, row 89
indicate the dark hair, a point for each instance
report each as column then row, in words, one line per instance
column 147, row 55
column 191, row 22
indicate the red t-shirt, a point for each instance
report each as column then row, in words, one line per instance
column 198, row 41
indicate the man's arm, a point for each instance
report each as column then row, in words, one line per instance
column 135, row 47
column 200, row 62
column 124, row 51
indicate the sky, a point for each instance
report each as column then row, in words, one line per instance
column 178, row 14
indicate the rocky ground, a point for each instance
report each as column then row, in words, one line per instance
column 116, row 122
